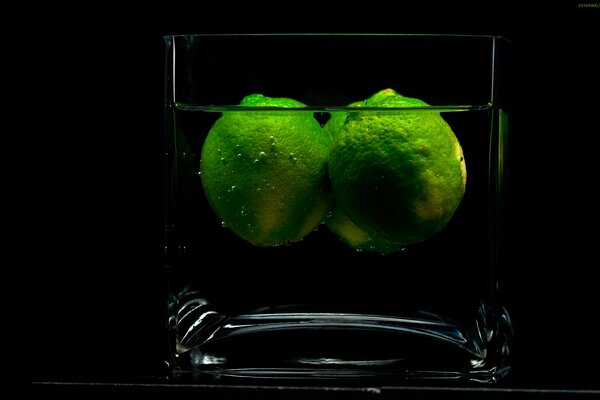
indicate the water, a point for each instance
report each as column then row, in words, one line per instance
column 320, row 309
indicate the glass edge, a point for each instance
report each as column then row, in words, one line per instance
column 449, row 35
column 237, row 108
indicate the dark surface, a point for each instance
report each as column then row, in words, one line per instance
column 119, row 391
column 98, row 313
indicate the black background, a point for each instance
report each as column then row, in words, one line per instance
column 97, row 310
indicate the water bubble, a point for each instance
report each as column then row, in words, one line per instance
column 359, row 250
column 233, row 187
column 239, row 154
column 224, row 224
column 223, row 160
column 218, row 150
column 262, row 154
column 256, row 161
column 258, row 189
column 243, row 212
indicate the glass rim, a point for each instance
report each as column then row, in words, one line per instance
column 349, row 34
column 385, row 110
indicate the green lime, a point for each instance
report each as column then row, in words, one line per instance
column 397, row 177
column 264, row 171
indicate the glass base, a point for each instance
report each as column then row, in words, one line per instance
column 288, row 343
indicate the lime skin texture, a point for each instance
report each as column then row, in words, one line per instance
column 264, row 171
column 397, row 177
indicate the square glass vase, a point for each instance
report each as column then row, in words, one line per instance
column 345, row 231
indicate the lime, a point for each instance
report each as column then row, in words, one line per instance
column 264, row 171
column 397, row 177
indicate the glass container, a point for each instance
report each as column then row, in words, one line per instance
column 318, row 305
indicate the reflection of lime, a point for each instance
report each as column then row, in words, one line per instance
column 341, row 224
column 398, row 177
column 264, row 172
column 338, row 118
